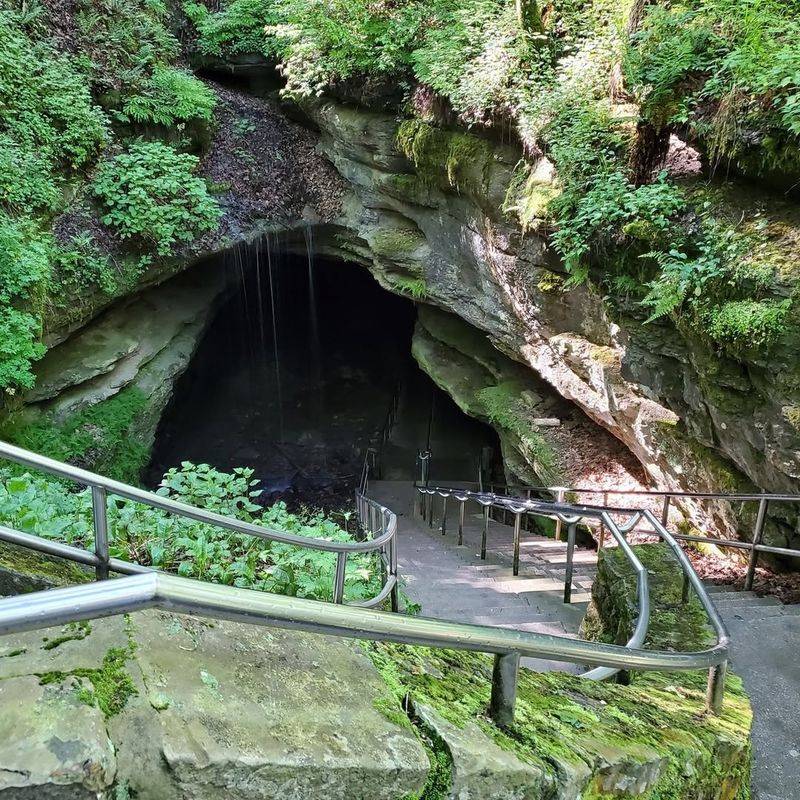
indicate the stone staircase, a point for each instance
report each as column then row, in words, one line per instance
column 451, row 582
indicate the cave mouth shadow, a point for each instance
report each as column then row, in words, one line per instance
column 294, row 376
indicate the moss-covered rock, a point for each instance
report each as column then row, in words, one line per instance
column 23, row 570
column 652, row 740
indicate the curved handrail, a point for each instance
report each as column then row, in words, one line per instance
column 187, row 596
column 382, row 539
column 170, row 592
column 571, row 514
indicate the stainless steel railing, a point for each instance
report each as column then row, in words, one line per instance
column 170, row 592
column 665, row 500
column 571, row 515
column 378, row 522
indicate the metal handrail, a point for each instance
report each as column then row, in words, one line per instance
column 381, row 537
column 173, row 593
column 754, row 547
column 571, row 515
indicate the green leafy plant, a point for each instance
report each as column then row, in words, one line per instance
column 169, row 97
column 150, row 193
column 236, row 28
column 729, row 71
column 152, row 537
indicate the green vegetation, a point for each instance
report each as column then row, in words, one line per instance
column 60, row 109
column 109, row 686
column 192, row 549
column 150, row 194
column 416, row 288
column 721, row 70
column 464, row 159
column 504, row 407
column 564, row 725
column 236, row 29
column 170, row 96
column 727, row 71
column 101, row 437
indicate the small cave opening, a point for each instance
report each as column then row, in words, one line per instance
column 295, row 374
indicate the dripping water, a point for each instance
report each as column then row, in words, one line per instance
column 275, row 348
column 316, row 355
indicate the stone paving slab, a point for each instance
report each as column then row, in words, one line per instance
column 208, row 710
column 765, row 648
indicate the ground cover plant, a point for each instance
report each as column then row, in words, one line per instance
column 152, row 537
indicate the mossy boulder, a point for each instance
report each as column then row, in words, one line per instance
column 162, row 707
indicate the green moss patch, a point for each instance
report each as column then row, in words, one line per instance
column 653, row 739
column 573, row 727
column 109, row 687
column 450, row 159
column 99, row 437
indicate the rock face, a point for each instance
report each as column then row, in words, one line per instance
column 165, row 707
column 696, row 420
column 545, row 439
column 144, row 343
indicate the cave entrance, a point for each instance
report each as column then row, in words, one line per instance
column 294, row 376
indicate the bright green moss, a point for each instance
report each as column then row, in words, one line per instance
column 100, row 437
column 743, row 325
column 568, row 726
column 458, row 160
column 111, row 685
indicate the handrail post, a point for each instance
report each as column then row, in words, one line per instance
column 715, row 691
column 461, row 513
column 430, row 510
column 338, row 583
column 758, row 535
column 444, row 515
column 571, row 533
column 504, row 689
column 560, row 492
column 527, row 516
column 517, row 526
column 665, row 510
column 485, row 534
column 602, row 539
column 100, row 522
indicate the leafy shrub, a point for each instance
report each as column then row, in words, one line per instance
column 125, row 40
column 169, row 97
column 47, row 106
column 24, row 270
column 79, row 265
column 727, row 69
column 237, row 28
column 151, row 193
column 19, row 347
column 154, row 538
column 610, row 209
